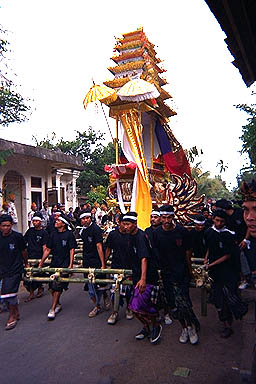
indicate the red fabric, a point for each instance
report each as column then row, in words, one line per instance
column 177, row 163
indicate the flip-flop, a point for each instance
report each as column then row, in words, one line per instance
column 11, row 325
column 40, row 295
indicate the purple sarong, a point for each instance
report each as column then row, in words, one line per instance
column 141, row 302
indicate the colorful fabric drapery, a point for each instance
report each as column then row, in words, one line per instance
column 132, row 127
column 174, row 157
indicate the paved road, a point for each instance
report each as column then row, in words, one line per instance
column 74, row 349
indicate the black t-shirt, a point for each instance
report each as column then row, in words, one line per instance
column 170, row 248
column 208, row 223
column 236, row 223
column 149, row 232
column 60, row 244
column 140, row 248
column 197, row 242
column 11, row 259
column 250, row 253
column 91, row 236
column 220, row 244
column 119, row 243
column 35, row 239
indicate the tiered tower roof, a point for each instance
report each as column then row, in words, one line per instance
column 135, row 55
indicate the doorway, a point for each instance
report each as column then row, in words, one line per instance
column 14, row 184
column 36, row 197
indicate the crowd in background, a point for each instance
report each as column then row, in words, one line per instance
column 220, row 235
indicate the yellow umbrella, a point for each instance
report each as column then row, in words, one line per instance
column 100, row 93
column 138, row 90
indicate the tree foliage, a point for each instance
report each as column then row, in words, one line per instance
column 97, row 194
column 213, row 187
column 249, row 132
column 95, row 155
column 4, row 155
column 13, row 107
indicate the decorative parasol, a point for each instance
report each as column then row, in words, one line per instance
column 138, row 90
column 103, row 94
column 100, row 93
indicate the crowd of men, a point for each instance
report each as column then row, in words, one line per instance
column 159, row 257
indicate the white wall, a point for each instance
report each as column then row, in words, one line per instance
column 30, row 166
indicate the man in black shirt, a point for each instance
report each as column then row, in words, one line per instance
column 220, row 261
column 118, row 243
column 145, row 280
column 249, row 207
column 196, row 235
column 235, row 221
column 171, row 245
column 93, row 257
column 61, row 244
column 12, row 255
column 155, row 221
column 51, row 225
column 35, row 238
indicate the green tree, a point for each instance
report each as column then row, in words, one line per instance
column 97, row 194
column 210, row 187
column 13, row 107
column 249, row 132
column 95, row 155
column 4, row 155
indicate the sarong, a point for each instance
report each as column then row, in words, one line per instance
column 142, row 302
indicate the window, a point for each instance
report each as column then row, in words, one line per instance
column 36, row 182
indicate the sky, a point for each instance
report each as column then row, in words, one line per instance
column 59, row 46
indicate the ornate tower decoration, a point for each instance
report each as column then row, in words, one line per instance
column 149, row 153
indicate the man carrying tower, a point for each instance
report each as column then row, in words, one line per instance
column 61, row 244
column 172, row 248
column 35, row 238
column 12, row 256
column 93, row 257
column 145, row 280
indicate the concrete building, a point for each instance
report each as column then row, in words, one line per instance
column 35, row 174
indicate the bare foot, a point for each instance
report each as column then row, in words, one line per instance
column 40, row 292
column 29, row 298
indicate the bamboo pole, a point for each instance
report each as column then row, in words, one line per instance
column 126, row 272
column 74, row 280
column 152, row 141
column 197, row 259
column 116, row 142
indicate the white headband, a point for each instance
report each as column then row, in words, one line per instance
column 36, row 218
column 86, row 214
column 157, row 213
column 199, row 222
column 166, row 213
column 63, row 220
column 130, row 218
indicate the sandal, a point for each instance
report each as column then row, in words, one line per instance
column 11, row 325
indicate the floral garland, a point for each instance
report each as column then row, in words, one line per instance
column 127, row 66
